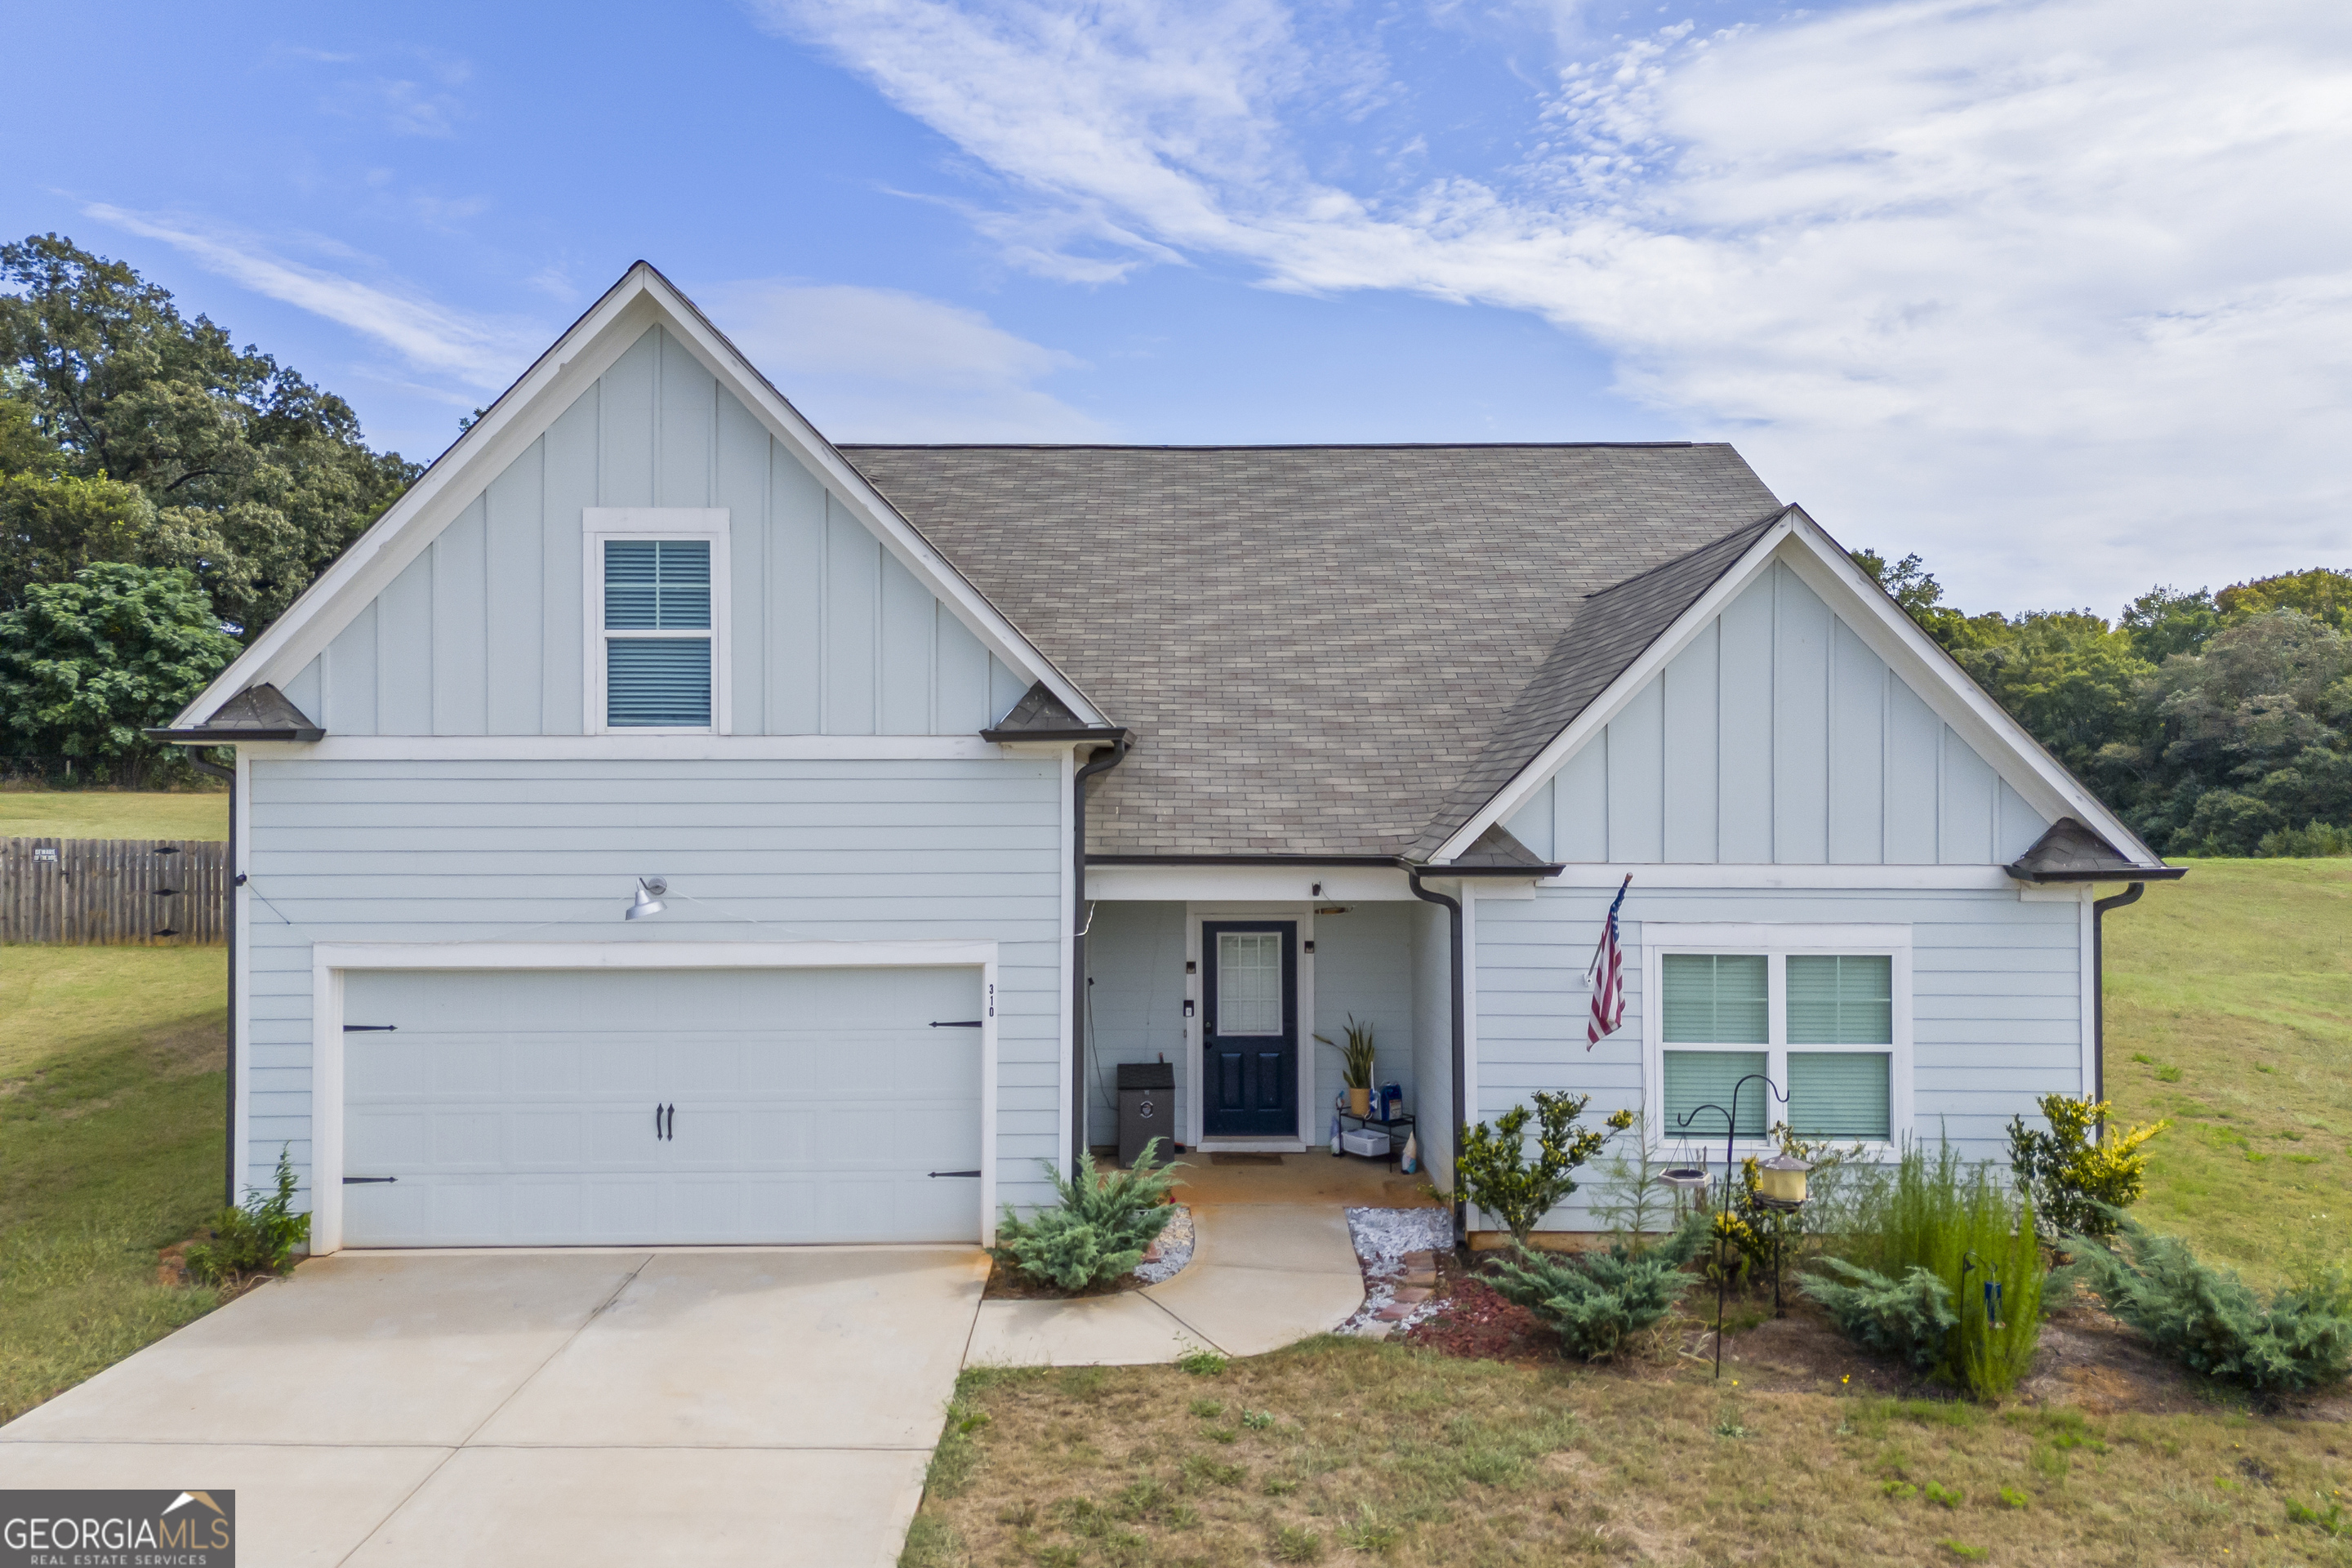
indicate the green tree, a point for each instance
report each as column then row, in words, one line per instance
column 2163, row 622
column 2326, row 596
column 256, row 479
column 86, row 666
column 1910, row 585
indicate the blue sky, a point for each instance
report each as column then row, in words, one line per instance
column 2055, row 293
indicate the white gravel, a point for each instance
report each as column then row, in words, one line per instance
column 1383, row 1237
column 1174, row 1249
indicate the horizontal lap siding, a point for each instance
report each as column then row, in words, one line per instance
column 755, row 851
column 1996, row 999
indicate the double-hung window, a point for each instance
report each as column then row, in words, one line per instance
column 656, row 609
column 1822, row 1013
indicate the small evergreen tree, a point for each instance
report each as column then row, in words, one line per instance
column 1598, row 1301
column 2211, row 1321
column 1492, row 1168
column 2079, row 1180
column 1105, row 1222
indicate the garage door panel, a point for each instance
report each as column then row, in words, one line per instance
column 518, row 1108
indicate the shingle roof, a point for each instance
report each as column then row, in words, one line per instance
column 1313, row 645
column 256, row 713
column 2072, row 852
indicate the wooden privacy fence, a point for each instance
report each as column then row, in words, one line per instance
column 155, row 892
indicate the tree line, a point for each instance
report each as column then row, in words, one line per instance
column 165, row 495
column 2214, row 723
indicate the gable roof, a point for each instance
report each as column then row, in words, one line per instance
column 1604, row 633
column 256, row 713
column 642, row 298
column 1312, row 644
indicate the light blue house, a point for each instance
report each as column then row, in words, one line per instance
column 666, row 825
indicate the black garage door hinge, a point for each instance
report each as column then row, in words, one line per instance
column 366, row 1180
column 368, row 1028
column 955, row 1173
column 956, row 1023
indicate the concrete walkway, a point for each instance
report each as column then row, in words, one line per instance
column 737, row 1405
column 1271, row 1265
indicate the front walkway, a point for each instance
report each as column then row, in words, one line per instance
column 1272, row 1264
column 736, row 1405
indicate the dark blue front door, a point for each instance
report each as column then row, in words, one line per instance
column 1250, row 1036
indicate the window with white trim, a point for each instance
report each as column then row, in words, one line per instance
column 1826, row 1025
column 657, row 620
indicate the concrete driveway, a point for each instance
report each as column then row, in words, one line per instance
column 736, row 1405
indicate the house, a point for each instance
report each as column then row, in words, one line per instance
column 665, row 824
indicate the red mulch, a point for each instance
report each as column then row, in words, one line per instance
column 1477, row 1323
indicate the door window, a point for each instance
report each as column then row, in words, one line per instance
column 1249, row 982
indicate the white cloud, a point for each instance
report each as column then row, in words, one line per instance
column 479, row 352
column 2056, row 291
column 881, row 365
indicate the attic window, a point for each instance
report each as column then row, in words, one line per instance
column 654, row 620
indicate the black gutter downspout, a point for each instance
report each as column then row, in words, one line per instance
column 1461, row 1085
column 228, row 926
column 2099, row 908
column 1078, row 944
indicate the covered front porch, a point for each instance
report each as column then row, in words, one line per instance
column 1232, row 991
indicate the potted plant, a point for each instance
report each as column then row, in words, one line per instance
column 1355, row 1065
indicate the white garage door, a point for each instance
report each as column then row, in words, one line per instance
column 554, row 1108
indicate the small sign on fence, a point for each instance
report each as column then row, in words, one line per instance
column 45, row 851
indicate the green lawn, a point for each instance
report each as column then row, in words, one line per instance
column 113, row 813
column 2229, row 1010
column 111, row 1144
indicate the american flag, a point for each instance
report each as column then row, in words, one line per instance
column 1606, row 977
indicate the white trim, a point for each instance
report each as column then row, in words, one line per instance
column 2012, row 753
column 601, row 525
column 240, row 1121
column 630, row 745
column 640, row 299
column 330, row 961
column 1796, row 877
column 1776, row 941
column 1242, row 884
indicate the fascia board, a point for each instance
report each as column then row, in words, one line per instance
column 444, row 490
column 901, row 538
column 642, row 298
column 2020, row 761
column 1617, row 693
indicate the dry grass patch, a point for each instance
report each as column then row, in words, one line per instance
column 1379, row 1453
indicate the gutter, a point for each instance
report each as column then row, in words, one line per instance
column 1077, row 1090
column 1379, row 862
column 228, row 927
column 1452, row 908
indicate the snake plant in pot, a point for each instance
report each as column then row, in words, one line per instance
column 1355, row 1065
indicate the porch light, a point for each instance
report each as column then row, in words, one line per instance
column 648, row 898
column 1780, row 1182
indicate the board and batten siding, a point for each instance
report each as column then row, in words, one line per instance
column 754, row 850
column 1778, row 737
column 482, row 634
column 1997, row 1000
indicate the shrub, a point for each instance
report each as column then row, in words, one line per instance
column 1492, row 1170
column 259, row 1238
column 2211, row 1321
column 1910, row 1320
column 2078, row 1177
column 1099, row 1232
column 1597, row 1301
column 1957, row 1225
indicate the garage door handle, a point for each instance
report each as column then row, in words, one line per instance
column 665, row 1132
column 957, row 1023
column 955, row 1173
column 366, row 1180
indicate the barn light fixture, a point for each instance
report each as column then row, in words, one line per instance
column 648, row 898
